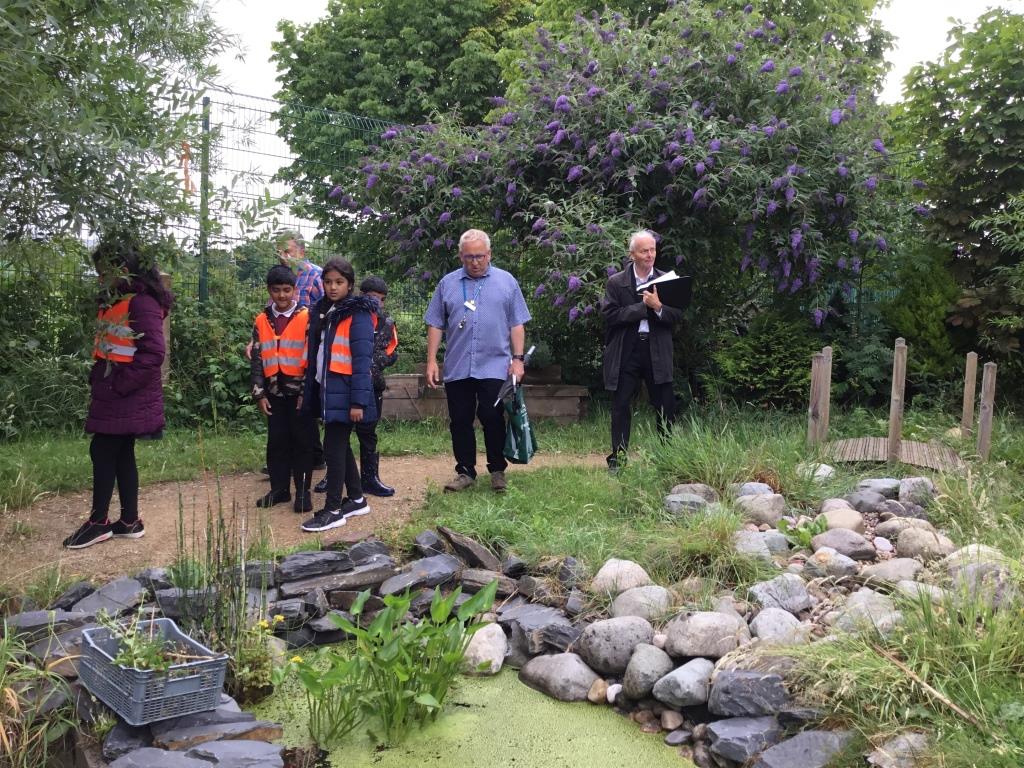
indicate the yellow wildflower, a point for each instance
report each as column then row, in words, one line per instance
column 278, row 618
column 264, row 624
column 296, row 659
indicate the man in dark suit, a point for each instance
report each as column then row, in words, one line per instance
column 638, row 342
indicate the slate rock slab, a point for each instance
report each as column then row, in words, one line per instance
column 59, row 653
column 155, row 578
column 786, row 591
column 740, row 738
column 562, row 676
column 240, row 753
column 124, row 738
column 427, row 572
column 514, row 567
column 176, row 603
column 685, row 686
column 646, row 667
column 363, row 551
column 745, row 693
column 114, row 598
column 705, row 633
column 530, row 617
column 151, row 757
column 428, row 544
column 616, row 576
column 183, row 733
column 606, row 646
column 470, row 550
column 475, row 579
column 809, row 749
column 846, row 542
column 303, row 565
column 76, row 592
column 373, row 572
column 33, row 626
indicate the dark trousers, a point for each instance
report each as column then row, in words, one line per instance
column 636, row 366
column 342, row 470
column 366, row 431
column 289, row 445
column 113, row 461
column 467, row 397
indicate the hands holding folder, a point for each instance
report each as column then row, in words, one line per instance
column 672, row 289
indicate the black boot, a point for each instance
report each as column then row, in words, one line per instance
column 371, row 482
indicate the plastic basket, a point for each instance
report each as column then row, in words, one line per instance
column 142, row 696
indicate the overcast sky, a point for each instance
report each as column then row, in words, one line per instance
column 920, row 27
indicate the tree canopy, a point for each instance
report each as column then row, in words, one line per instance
column 744, row 148
column 93, row 109
column 963, row 117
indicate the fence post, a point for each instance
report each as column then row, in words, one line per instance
column 899, row 374
column 970, row 380
column 826, row 392
column 814, row 407
column 985, row 413
column 204, row 206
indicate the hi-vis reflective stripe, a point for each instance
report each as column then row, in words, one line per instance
column 341, row 352
column 114, row 338
column 393, row 344
column 285, row 353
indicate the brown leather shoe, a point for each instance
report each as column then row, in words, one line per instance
column 498, row 482
column 460, row 483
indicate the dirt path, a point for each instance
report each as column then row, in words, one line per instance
column 30, row 542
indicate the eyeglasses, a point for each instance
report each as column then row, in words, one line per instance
column 474, row 256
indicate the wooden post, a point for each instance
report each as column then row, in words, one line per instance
column 988, row 397
column 970, row 380
column 899, row 374
column 814, row 407
column 826, row 392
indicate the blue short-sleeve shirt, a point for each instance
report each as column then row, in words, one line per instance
column 478, row 344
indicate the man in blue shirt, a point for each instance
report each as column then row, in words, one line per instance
column 480, row 311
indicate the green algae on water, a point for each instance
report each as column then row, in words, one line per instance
column 493, row 721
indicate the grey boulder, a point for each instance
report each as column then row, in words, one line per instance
column 865, row 501
column 786, row 591
column 749, row 489
column 686, row 686
column 646, row 667
column 617, row 576
column 892, row 571
column 706, row 492
column 740, row 738
column 705, row 633
column 926, row 545
column 867, row 608
column 889, row 487
column 684, row 503
column 809, row 749
column 746, row 693
column 607, row 645
column 846, row 542
column 762, row 508
column 779, row 627
column 486, row 651
column 752, row 544
column 902, row 751
column 916, row 490
column 651, row 602
column 562, row 676
column 826, row 562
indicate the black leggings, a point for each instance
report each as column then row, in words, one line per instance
column 113, row 460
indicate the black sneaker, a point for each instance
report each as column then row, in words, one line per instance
column 324, row 520
column 350, row 508
column 303, row 502
column 321, row 487
column 132, row 530
column 90, row 533
column 319, row 466
column 274, row 497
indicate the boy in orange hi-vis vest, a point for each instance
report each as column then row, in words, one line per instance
column 278, row 372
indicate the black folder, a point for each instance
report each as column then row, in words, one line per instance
column 674, row 290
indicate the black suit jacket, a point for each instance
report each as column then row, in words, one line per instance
column 623, row 309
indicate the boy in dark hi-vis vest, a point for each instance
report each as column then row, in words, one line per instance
column 278, row 372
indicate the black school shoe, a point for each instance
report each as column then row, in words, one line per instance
column 321, row 487
column 132, row 530
column 303, row 502
column 351, row 508
column 274, row 497
column 324, row 520
column 88, row 534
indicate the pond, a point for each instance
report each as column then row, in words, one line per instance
column 496, row 721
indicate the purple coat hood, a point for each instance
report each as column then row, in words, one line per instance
column 128, row 398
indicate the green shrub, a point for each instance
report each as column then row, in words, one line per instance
column 769, row 365
column 918, row 314
column 43, row 392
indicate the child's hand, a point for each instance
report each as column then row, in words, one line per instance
column 264, row 406
column 356, row 414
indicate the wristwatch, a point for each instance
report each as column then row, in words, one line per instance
column 518, row 357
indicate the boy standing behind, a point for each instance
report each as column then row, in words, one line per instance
column 278, row 371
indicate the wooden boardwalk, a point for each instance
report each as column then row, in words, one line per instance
column 931, row 455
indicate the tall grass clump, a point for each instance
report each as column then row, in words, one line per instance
column 954, row 669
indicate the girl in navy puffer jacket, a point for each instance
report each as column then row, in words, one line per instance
column 339, row 387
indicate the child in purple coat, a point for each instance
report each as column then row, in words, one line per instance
column 126, row 400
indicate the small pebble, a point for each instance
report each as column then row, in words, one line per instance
column 613, row 692
column 677, row 738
